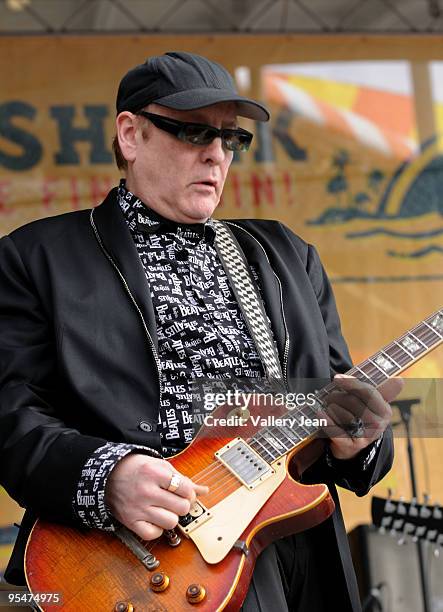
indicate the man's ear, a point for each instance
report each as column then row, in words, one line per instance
column 126, row 127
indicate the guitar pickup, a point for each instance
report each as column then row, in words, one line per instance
column 246, row 464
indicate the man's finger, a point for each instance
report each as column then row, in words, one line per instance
column 146, row 531
column 391, row 388
column 182, row 485
column 368, row 394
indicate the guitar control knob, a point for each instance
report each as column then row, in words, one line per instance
column 151, row 562
column 172, row 537
column 123, row 606
column 195, row 593
column 159, row 582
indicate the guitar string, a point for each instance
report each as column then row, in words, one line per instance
column 397, row 352
column 214, row 470
column 216, row 467
column 429, row 335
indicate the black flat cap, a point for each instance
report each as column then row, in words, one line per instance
column 183, row 81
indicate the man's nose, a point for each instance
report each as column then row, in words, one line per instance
column 214, row 151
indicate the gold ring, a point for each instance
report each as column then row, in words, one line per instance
column 175, row 483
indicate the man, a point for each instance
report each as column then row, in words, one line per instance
column 107, row 315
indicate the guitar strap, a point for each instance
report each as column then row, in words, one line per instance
column 248, row 298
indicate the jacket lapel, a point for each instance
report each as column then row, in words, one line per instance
column 118, row 242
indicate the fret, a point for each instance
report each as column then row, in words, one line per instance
column 277, row 434
column 433, row 329
column 320, row 395
column 326, row 390
column 275, row 442
column 364, row 374
column 375, row 373
column 405, row 350
column 318, row 406
column 390, row 358
column 304, row 431
column 260, row 452
column 413, row 345
column 286, row 439
column 398, row 355
column 262, row 440
column 426, row 335
column 387, row 365
column 437, row 322
column 291, row 435
column 308, row 411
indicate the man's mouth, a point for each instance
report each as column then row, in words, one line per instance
column 207, row 183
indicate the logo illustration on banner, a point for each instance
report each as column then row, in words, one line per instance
column 379, row 210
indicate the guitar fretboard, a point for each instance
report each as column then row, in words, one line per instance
column 275, row 441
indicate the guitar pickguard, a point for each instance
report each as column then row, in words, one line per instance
column 231, row 516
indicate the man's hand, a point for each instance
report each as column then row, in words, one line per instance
column 137, row 495
column 354, row 400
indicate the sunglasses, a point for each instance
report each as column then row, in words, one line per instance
column 200, row 134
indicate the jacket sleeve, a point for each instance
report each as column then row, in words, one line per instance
column 41, row 458
column 360, row 473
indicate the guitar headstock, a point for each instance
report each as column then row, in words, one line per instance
column 409, row 520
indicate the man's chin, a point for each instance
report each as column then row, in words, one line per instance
column 201, row 209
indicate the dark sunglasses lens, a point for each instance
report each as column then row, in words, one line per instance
column 237, row 141
column 234, row 140
column 198, row 135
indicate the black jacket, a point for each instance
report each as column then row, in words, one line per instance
column 77, row 366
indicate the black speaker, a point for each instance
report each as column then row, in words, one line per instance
column 388, row 573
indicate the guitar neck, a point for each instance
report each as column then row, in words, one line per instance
column 275, row 441
column 402, row 353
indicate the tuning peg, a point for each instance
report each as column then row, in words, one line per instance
column 390, row 507
column 409, row 528
column 431, row 535
column 419, row 533
column 398, row 524
column 425, row 512
column 385, row 522
column 413, row 510
column 396, row 527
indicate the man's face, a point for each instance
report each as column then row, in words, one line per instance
column 181, row 181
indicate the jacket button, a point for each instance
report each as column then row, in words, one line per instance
column 145, row 426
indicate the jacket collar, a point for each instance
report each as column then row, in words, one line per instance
column 118, row 242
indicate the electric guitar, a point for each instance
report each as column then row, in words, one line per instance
column 254, row 498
